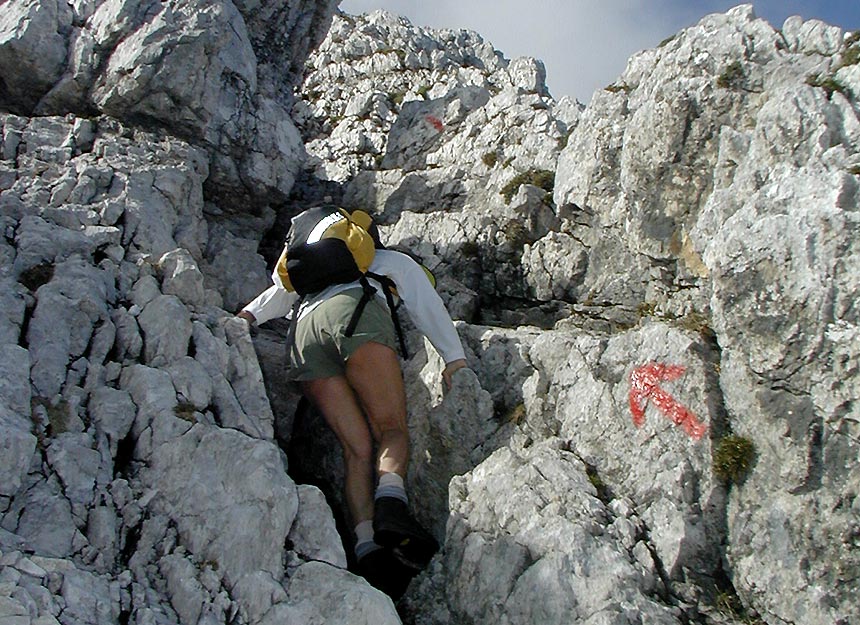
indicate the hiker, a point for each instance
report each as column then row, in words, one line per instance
column 355, row 381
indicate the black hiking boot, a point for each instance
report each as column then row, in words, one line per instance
column 394, row 528
column 385, row 572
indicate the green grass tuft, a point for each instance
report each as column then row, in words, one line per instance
column 616, row 88
column 732, row 77
column 830, row 85
column 185, row 411
column 733, row 458
column 542, row 178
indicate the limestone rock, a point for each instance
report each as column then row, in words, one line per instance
column 238, row 488
column 530, row 541
column 33, row 50
column 313, row 535
column 166, row 325
column 182, row 278
column 698, row 217
column 321, row 594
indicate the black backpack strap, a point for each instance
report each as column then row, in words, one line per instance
column 387, row 286
column 294, row 321
column 366, row 296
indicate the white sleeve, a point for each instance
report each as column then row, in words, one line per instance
column 422, row 302
column 271, row 303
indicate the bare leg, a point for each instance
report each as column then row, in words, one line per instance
column 373, row 371
column 339, row 406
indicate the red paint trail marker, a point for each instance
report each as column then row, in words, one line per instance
column 435, row 122
column 644, row 387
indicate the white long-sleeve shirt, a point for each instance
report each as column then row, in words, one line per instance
column 420, row 299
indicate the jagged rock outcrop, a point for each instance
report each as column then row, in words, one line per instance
column 421, row 126
column 205, row 73
column 140, row 481
column 703, row 214
column 634, row 280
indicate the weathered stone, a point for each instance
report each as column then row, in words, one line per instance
column 14, row 385
column 257, row 593
column 32, row 50
column 313, row 534
column 530, row 542
column 42, row 517
column 236, row 268
column 245, row 376
column 166, row 326
column 129, row 342
column 76, row 464
column 191, row 381
column 17, row 445
column 701, row 212
column 447, row 438
column 113, row 412
column 152, row 392
column 238, row 487
column 89, row 598
column 325, row 594
column 182, row 278
column 11, row 312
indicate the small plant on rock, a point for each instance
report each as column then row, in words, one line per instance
column 829, row 84
column 618, row 88
column 563, row 139
column 733, row 457
column 490, row 159
column 851, row 56
column 666, row 41
column 58, row 415
column 516, row 414
column 729, row 605
column 732, row 77
column 542, row 178
column 185, row 410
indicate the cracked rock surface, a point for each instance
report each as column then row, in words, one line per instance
column 683, row 248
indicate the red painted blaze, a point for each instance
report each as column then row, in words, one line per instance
column 644, row 387
column 435, row 122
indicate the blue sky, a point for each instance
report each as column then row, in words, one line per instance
column 585, row 44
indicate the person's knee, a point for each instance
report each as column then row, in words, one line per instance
column 359, row 453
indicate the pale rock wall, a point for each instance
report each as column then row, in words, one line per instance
column 703, row 214
column 140, row 481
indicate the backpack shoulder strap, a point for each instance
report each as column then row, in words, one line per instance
column 388, row 288
column 294, row 321
column 366, row 296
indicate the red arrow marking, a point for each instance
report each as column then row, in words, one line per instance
column 435, row 122
column 644, row 387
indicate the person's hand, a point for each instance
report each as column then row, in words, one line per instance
column 244, row 314
column 450, row 368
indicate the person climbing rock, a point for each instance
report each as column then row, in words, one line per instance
column 343, row 352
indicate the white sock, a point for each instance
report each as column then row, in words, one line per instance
column 391, row 485
column 364, row 539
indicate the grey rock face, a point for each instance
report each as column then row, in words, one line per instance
column 130, row 408
column 530, row 542
column 187, row 68
column 711, row 188
column 432, row 126
column 636, row 279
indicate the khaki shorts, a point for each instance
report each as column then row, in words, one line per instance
column 321, row 349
